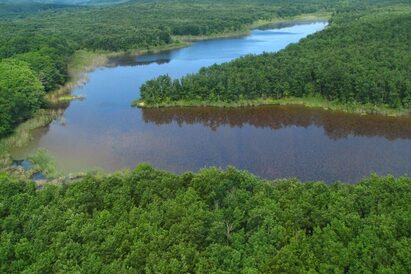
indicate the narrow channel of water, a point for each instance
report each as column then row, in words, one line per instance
column 103, row 131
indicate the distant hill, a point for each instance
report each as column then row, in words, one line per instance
column 64, row 2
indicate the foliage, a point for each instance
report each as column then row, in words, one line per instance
column 46, row 64
column 20, row 94
column 362, row 57
column 211, row 221
column 13, row 9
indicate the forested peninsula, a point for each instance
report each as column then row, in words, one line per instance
column 360, row 62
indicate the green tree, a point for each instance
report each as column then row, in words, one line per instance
column 20, row 94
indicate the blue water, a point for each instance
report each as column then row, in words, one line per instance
column 104, row 131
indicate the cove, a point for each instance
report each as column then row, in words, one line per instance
column 104, row 131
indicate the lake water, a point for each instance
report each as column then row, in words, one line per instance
column 104, row 131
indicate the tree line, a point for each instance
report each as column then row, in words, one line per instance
column 362, row 57
column 150, row 221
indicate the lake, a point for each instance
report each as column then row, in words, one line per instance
column 104, row 131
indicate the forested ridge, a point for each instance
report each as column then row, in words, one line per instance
column 363, row 56
column 213, row 221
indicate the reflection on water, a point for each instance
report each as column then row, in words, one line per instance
column 132, row 60
column 336, row 125
column 104, row 131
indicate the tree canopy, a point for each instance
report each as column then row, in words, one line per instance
column 20, row 94
column 148, row 221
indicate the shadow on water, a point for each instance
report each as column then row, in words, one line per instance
column 24, row 164
column 38, row 176
column 336, row 125
column 141, row 60
column 27, row 165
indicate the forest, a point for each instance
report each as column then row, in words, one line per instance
column 212, row 221
column 362, row 57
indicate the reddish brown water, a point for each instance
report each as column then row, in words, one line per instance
column 284, row 141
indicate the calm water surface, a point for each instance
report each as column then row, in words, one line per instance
column 103, row 131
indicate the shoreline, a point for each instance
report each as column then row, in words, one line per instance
column 23, row 134
column 309, row 102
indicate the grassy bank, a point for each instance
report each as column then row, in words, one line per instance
column 83, row 61
column 313, row 102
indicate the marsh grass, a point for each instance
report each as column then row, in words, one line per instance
column 312, row 102
column 23, row 133
column 68, row 98
column 44, row 162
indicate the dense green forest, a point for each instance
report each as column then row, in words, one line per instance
column 213, row 221
column 362, row 57
column 12, row 11
column 20, row 93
